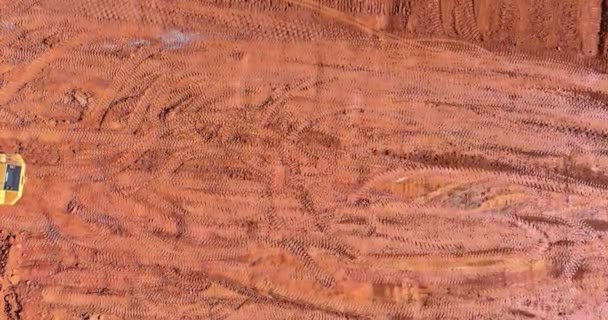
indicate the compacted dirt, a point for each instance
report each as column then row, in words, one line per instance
column 438, row 159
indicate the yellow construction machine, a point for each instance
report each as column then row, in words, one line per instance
column 12, row 178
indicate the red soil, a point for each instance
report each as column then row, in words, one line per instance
column 292, row 159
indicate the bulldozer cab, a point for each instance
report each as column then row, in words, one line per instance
column 12, row 178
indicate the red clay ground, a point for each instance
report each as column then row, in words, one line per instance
column 305, row 160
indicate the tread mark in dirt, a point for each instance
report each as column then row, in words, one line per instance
column 5, row 247
column 12, row 306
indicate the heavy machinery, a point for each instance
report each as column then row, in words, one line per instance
column 12, row 178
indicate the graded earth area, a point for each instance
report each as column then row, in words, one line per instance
column 436, row 159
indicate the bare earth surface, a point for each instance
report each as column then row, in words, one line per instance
column 439, row 159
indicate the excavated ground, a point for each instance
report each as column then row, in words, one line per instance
column 300, row 159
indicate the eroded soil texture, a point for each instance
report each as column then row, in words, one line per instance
column 438, row 159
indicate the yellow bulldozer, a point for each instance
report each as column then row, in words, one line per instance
column 12, row 177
